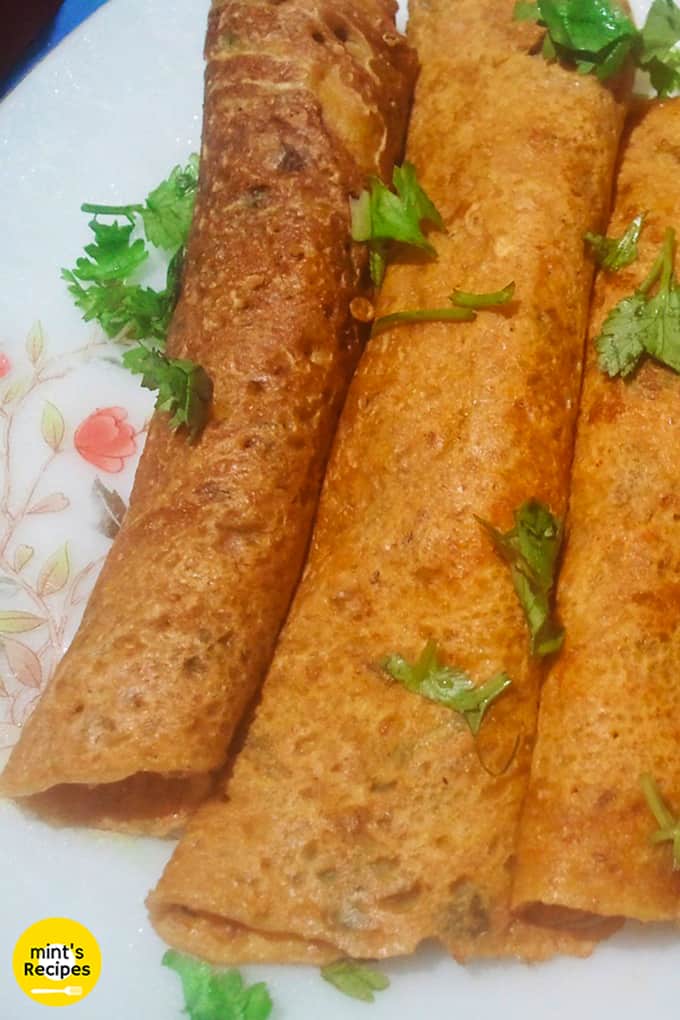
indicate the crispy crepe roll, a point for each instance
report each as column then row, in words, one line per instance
column 610, row 709
column 303, row 100
column 362, row 818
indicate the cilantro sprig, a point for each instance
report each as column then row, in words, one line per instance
column 598, row 37
column 355, row 979
column 447, row 685
column 381, row 217
column 124, row 311
column 531, row 549
column 642, row 324
column 463, row 308
column 104, row 285
column 614, row 253
column 211, row 994
column 167, row 211
column 184, row 389
column 669, row 825
column 656, row 47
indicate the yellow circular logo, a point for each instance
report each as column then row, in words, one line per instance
column 57, row 962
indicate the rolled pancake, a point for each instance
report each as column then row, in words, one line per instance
column 302, row 101
column 611, row 705
column 360, row 819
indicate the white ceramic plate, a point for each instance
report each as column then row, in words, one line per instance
column 103, row 118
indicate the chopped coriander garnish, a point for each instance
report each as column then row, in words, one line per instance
column 112, row 256
column 355, row 979
column 211, row 994
column 184, row 389
column 422, row 315
column 614, row 253
column 531, row 549
column 640, row 324
column 125, row 311
column 168, row 208
column 128, row 311
column 656, row 51
column 669, row 825
column 381, row 216
column 490, row 299
column 447, row 685
column 463, row 309
column 598, row 37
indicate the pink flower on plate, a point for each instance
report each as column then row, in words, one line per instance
column 5, row 365
column 105, row 439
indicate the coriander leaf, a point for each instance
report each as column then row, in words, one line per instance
column 612, row 59
column 380, row 216
column 397, row 217
column 662, row 337
column 111, row 257
column 531, row 549
column 619, row 345
column 355, row 979
column 657, row 53
column 415, row 200
column 585, row 26
column 129, row 311
column 596, row 35
column 211, row 994
column 170, row 206
column 125, row 312
column 548, row 49
column 446, row 685
column 614, row 253
column 640, row 324
column 474, row 702
column 184, row 389
column 173, row 280
column 168, row 209
column 669, row 825
column 464, row 305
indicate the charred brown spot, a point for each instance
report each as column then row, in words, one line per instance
column 211, row 492
column 256, row 196
column 291, row 161
column 466, row 913
column 340, row 31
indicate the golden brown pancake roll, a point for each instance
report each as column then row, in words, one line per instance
column 361, row 818
column 610, row 709
column 302, row 101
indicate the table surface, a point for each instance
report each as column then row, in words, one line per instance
column 69, row 15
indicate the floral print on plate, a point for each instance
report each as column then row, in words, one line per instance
column 68, row 453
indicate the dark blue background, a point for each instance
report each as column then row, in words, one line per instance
column 70, row 14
